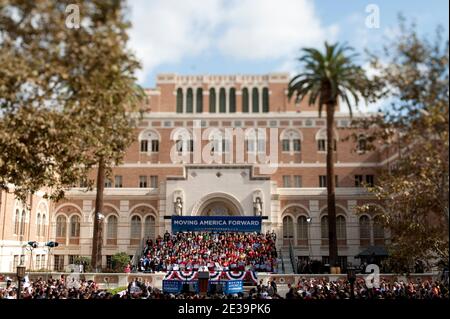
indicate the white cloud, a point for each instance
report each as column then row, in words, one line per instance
column 265, row 29
column 166, row 31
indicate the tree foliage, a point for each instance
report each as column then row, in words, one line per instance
column 413, row 133
column 66, row 95
column 327, row 77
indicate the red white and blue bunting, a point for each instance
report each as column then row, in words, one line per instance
column 247, row 276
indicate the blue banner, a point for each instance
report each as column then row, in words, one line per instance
column 216, row 223
column 176, row 286
column 229, row 286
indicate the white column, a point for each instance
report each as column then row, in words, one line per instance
column 184, row 99
column 227, row 100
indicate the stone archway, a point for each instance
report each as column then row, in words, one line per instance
column 218, row 205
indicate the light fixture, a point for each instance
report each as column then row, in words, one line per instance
column 308, row 219
column 33, row 244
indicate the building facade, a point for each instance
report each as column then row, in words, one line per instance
column 213, row 145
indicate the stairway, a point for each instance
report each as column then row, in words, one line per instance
column 286, row 260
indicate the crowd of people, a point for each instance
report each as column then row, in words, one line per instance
column 306, row 289
column 225, row 250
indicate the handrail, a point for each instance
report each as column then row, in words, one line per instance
column 291, row 256
column 137, row 254
column 282, row 262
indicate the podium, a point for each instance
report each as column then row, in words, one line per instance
column 203, row 280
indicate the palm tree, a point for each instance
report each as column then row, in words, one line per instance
column 326, row 78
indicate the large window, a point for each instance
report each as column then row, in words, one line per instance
column 232, row 100
column 22, row 222
column 44, row 225
column 286, row 181
column 378, row 230
column 136, row 227
column 111, row 230
column 222, row 101
column 324, row 227
column 288, row 228
column 199, row 102
column 17, row 222
column 149, row 141
column 341, row 229
column 179, row 100
column 61, row 227
column 297, row 181
column 143, row 181
column 75, row 226
column 212, row 100
column 255, row 100
column 265, row 104
column 302, row 229
column 245, row 101
column 189, row 101
column 149, row 227
column 364, row 230
column 118, row 181
column 38, row 225
column 154, row 181
column 59, row 262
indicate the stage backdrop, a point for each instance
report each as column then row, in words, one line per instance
column 216, row 223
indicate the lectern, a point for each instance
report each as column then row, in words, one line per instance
column 203, row 279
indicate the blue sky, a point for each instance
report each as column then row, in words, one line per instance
column 260, row 36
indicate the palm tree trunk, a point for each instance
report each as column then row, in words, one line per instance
column 331, row 196
column 97, row 240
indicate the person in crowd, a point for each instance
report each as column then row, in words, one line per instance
column 307, row 288
column 228, row 250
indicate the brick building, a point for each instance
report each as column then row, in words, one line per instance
column 214, row 145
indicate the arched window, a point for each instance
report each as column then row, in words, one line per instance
column 149, row 141
column 324, row 228
column 291, row 140
column 341, row 228
column 75, row 226
column 378, row 230
column 44, row 225
column 222, row 101
column 199, row 102
column 136, row 227
column 302, row 229
column 232, row 100
column 22, row 222
column 189, row 101
column 288, row 229
column 38, row 225
column 362, row 143
column 179, row 100
column 61, row 227
column 265, row 104
column 364, row 230
column 321, row 138
column 111, row 231
column 17, row 222
column 245, row 103
column 149, row 227
column 212, row 100
column 255, row 100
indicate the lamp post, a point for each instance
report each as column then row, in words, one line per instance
column 351, row 276
column 20, row 272
column 31, row 245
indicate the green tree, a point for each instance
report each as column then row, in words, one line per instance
column 326, row 78
column 413, row 131
column 68, row 97
column 120, row 261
